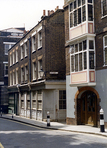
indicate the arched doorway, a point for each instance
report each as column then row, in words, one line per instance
column 89, row 108
column 82, row 114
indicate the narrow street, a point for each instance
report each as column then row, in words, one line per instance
column 18, row 135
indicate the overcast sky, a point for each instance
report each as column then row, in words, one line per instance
column 20, row 13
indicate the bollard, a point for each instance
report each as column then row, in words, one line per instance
column 48, row 119
column 12, row 113
column 102, row 121
column 1, row 112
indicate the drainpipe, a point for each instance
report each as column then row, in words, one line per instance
column 30, row 76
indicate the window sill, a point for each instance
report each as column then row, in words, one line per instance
column 103, row 16
column 33, row 51
column 39, row 48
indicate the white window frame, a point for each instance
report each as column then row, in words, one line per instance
column 11, row 59
column 10, row 44
column 22, row 52
column 34, row 71
column 25, row 48
column 40, row 39
column 13, row 54
column 33, row 43
column 40, row 69
column 103, row 16
column 104, row 46
column 22, row 74
column 16, row 76
column 26, row 73
column 16, row 56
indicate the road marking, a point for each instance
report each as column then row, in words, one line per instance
column 1, row 146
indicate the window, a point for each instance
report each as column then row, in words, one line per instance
column 79, row 56
column 11, row 59
column 91, row 44
column 105, row 49
column 91, row 59
column 34, row 70
column 16, row 55
column 16, row 76
column 33, row 44
column 77, row 12
column 5, row 69
column 13, row 77
column 34, row 100
column 25, row 46
column 90, row 12
column 7, row 46
column 39, row 105
column 22, row 74
column 26, row 73
column 22, row 52
column 39, row 39
column 104, row 7
column 62, row 99
column 40, row 70
column 22, row 103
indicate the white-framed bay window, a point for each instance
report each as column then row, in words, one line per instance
column 77, row 12
column 79, row 51
column 105, row 49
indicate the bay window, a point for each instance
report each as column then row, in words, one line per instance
column 79, row 56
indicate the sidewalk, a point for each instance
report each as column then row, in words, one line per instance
column 57, row 125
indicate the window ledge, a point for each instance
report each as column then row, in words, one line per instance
column 33, row 51
column 103, row 16
column 39, row 48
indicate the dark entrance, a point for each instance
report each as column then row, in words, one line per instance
column 89, row 108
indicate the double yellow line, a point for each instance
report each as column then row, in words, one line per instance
column 1, row 146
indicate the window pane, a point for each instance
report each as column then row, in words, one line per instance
column 80, row 46
column 72, row 49
column 84, row 45
column 72, row 63
column 79, row 15
column 83, row 13
column 76, row 62
column 85, row 60
column 79, row 3
column 80, row 61
column 91, row 44
column 76, row 47
column 75, row 4
column 105, row 56
column 90, row 13
column 105, row 41
column 71, row 7
column 89, row 1
column 91, row 60
column 75, row 17
column 71, row 19
column 62, row 99
column 83, row 2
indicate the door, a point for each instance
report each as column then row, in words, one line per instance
column 89, row 108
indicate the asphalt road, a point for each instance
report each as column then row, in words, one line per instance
column 18, row 135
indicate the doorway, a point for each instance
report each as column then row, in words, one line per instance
column 89, row 108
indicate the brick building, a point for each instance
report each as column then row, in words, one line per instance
column 37, row 70
column 8, row 38
column 85, row 49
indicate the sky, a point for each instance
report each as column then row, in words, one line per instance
column 24, row 13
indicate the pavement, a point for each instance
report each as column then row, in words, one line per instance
column 57, row 125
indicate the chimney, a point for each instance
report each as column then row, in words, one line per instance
column 56, row 8
column 48, row 12
column 44, row 12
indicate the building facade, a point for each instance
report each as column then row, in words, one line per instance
column 8, row 38
column 37, row 70
column 85, row 47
